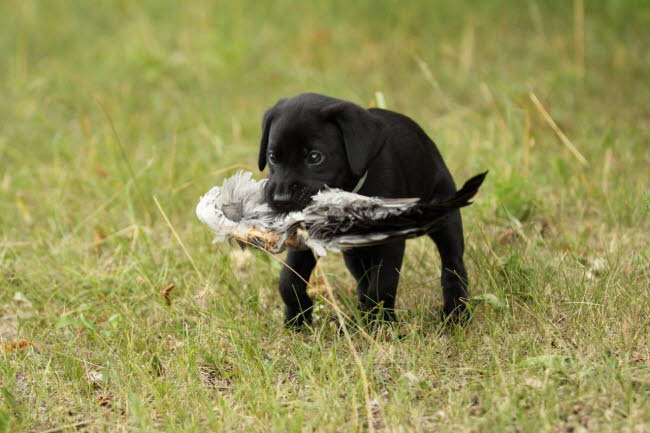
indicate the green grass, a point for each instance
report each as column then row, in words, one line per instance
column 559, row 250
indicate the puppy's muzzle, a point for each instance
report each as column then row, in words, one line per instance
column 288, row 199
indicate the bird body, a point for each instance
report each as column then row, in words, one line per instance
column 334, row 220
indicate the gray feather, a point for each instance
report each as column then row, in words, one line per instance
column 334, row 220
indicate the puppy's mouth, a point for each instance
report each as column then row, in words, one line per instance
column 282, row 208
column 295, row 204
column 297, row 200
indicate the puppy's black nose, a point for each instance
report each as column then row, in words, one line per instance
column 282, row 199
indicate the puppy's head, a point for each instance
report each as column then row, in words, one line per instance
column 311, row 141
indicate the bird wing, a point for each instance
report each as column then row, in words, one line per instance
column 397, row 219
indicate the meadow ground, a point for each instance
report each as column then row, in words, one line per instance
column 116, row 116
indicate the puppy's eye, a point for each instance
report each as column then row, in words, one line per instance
column 272, row 157
column 315, row 158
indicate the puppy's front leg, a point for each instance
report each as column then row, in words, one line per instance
column 377, row 270
column 293, row 287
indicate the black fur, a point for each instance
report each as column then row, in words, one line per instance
column 400, row 161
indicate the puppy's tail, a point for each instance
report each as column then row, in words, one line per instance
column 462, row 196
column 427, row 214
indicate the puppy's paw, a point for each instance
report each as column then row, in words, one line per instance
column 375, row 313
column 455, row 312
column 297, row 320
column 376, row 318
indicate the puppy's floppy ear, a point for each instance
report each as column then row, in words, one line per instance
column 266, row 126
column 361, row 131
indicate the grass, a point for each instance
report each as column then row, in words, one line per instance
column 116, row 116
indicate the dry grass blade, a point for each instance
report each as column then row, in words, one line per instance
column 177, row 237
column 579, row 36
column 370, row 412
column 547, row 117
column 166, row 293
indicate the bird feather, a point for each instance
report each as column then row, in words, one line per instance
column 334, row 220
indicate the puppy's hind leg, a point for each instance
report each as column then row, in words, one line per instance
column 451, row 246
column 293, row 287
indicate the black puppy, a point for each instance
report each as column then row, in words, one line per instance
column 312, row 140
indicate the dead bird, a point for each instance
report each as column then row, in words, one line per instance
column 334, row 220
